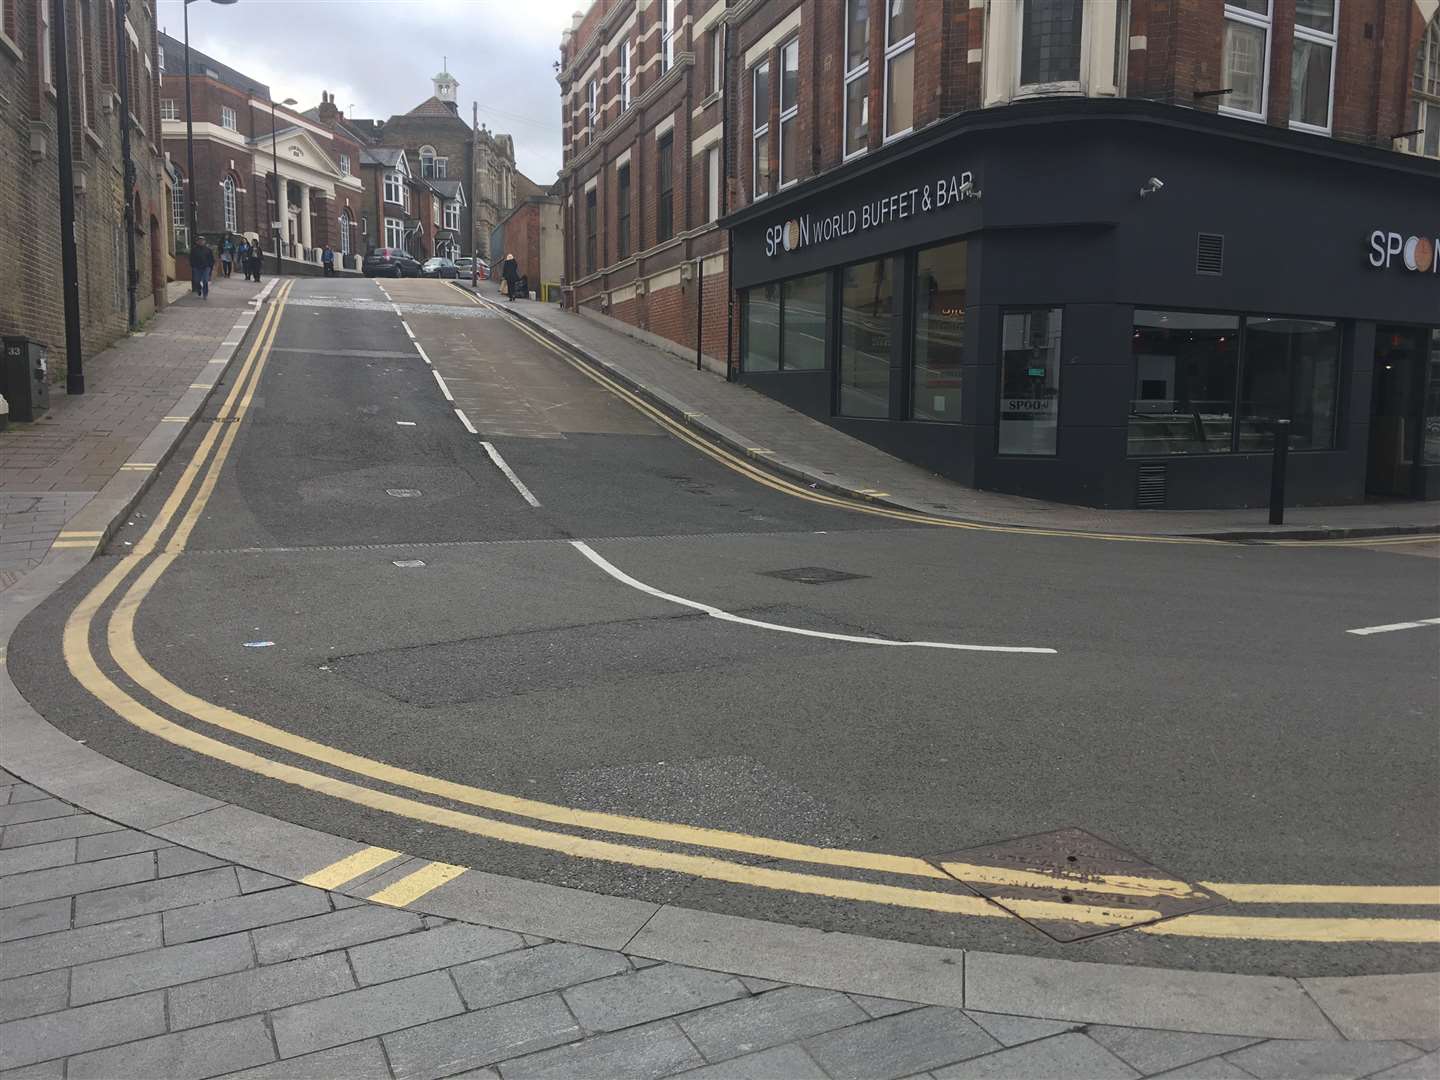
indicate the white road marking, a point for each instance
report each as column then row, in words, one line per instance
column 510, row 474
column 397, row 309
column 406, row 325
column 1387, row 627
column 718, row 613
column 466, row 421
column 443, row 388
column 421, row 351
column 405, row 423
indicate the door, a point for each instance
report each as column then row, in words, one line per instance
column 1395, row 425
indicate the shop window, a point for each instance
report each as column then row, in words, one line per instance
column 867, row 325
column 622, row 198
column 785, row 325
column 760, row 128
column 762, row 328
column 1312, row 65
column 1290, row 369
column 1030, row 382
column 1184, row 399
column 1432, row 399
column 1246, row 57
column 940, row 281
column 789, row 111
column 665, row 226
column 857, row 76
column 899, row 68
column 1424, row 120
column 1050, row 42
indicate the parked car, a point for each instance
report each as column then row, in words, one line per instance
column 464, row 264
column 389, row 262
column 439, row 268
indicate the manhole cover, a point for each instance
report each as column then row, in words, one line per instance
column 1072, row 885
column 812, row 575
column 403, row 493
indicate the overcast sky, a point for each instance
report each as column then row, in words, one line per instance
column 378, row 56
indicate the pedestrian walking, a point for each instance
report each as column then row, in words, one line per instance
column 202, row 265
column 227, row 254
column 257, row 259
column 327, row 260
column 510, row 271
column 242, row 253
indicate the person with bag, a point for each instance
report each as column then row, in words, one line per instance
column 510, row 271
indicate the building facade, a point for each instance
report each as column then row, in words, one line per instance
column 534, row 233
column 30, row 278
column 1087, row 251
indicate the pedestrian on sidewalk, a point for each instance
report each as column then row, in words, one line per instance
column 257, row 259
column 242, row 252
column 202, row 265
column 227, row 254
column 510, row 271
column 327, row 260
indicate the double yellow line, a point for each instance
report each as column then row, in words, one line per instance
column 151, row 559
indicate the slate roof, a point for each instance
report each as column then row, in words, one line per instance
column 380, row 155
column 433, row 106
column 173, row 55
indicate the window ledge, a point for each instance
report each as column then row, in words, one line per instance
column 1309, row 129
column 8, row 44
column 1055, row 89
column 1241, row 114
column 93, row 138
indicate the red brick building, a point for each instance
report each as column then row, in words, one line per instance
column 916, row 197
column 534, row 232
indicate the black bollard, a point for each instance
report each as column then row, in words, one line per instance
column 1277, row 472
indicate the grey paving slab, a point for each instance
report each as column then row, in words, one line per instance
column 168, row 966
column 74, row 1031
column 354, row 1061
column 184, row 1055
column 1421, row 1068
column 1282, row 1059
column 899, row 1045
column 1131, row 996
column 638, row 1053
column 636, row 997
column 66, row 948
column 36, row 857
column 1014, row 1030
column 242, row 913
column 797, row 954
column 511, row 976
column 878, row 1007
column 1209, row 1069
column 755, row 986
column 38, row 832
column 162, row 894
column 445, row 946
column 1156, row 1051
column 757, row 1023
column 335, row 930
column 77, row 878
column 19, row 793
column 259, row 989
column 41, row 917
column 50, row 1070
column 31, row 995
column 360, row 1014
column 481, row 1038
column 1425, row 1044
column 39, row 810
column 789, row 1062
column 1069, row 1055
column 243, row 836
column 122, row 842
column 255, row 881
column 1381, row 1006
column 177, row 860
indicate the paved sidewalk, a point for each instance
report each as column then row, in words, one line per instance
column 54, row 467
column 818, row 454
column 123, row 955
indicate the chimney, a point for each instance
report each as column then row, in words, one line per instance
column 328, row 112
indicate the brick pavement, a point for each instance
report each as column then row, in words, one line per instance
column 50, row 469
column 122, row 955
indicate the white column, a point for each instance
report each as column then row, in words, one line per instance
column 305, row 215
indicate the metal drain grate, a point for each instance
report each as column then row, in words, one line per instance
column 812, row 575
column 1042, row 877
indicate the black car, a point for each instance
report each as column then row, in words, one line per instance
column 389, row 262
column 439, row 268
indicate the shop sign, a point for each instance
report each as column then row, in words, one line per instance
column 807, row 230
column 1417, row 253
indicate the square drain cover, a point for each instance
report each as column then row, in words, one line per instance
column 1072, row 885
column 812, row 575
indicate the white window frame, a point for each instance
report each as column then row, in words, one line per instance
column 231, row 209
column 627, row 74
column 179, row 220
column 1330, row 41
column 47, row 45
column 893, row 51
column 427, row 162
column 717, row 58
column 592, row 102
column 859, row 71
column 668, row 34
column 82, row 74
column 344, row 228
column 787, row 114
column 452, row 214
column 227, row 118
column 169, row 109
column 442, row 168
column 1063, row 86
column 394, row 188
column 712, row 184
column 406, row 193
column 1264, row 22
column 395, row 233
column 343, row 162
column 1104, row 53
column 759, row 130
column 1424, row 101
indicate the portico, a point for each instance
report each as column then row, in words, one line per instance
column 319, row 197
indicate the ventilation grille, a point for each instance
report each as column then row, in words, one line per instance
column 1210, row 254
column 1150, row 490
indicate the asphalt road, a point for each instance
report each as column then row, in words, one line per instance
column 1203, row 709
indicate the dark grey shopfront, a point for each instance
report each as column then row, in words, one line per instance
column 994, row 299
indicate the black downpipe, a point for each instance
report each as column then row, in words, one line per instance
column 122, row 76
column 69, row 263
column 725, row 206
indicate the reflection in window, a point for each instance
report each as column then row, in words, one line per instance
column 940, row 279
column 762, row 328
column 1184, row 400
column 1432, row 403
column 1244, row 55
column 866, row 325
column 899, row 67
column 802, row 321
column 1290, row 371
column 1030, row 382
column 1050, row 41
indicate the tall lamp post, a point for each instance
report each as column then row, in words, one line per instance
column 275, row 218
column 190, row 186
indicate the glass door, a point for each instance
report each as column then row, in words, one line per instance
column 1395, row 422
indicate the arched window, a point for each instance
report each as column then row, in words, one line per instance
column 427, row 162
column 178, row 221
column 1425, row 110
column 231, row 216
column 344, row 232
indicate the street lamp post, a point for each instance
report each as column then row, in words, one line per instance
column 275, row 159
column 190, row 186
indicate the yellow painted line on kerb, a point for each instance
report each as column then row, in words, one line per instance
column 1111, row 884
column 412, row 887
column 349, row 868
column 1405, row 895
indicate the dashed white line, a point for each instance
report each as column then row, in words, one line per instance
column 1386, row 628
column 500, row 464
column 719, row 613
column 420, row 349
column 466, row 421
column 405, row 423
column 443, row 388
column 406, row 325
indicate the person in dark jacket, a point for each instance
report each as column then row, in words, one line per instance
column 242, row 253
column 510, row 271
column 202, row 265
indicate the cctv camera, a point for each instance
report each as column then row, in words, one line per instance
column 1152, row 185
